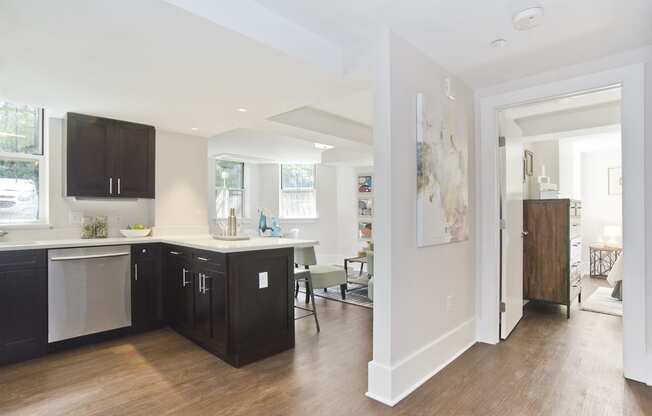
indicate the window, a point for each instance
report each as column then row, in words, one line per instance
column 298, row 196
column 229, row 188
column 22, row 162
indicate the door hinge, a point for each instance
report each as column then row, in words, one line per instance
column 503, row 224
column 501, row 141
column 502, row 306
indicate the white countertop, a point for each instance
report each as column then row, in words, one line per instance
column 202, row 242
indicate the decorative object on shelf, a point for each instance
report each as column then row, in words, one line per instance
column 365, row 230
column 277, row 231
column 365, row 184
column 94, row 227
column 442, row 183
column 87, row 227
column 232, row 224
column 228, row 230
column 101, row 226
column 263, row 228
column 615, row 181
column 602, row 258
column 365, row 207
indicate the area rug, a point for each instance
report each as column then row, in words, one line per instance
column 602, row 302
column 356, row 295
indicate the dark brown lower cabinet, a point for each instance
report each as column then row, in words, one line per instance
column 239, row 306
column 23, row 305
column 216, row 301
column 146, row 287
column 179, row 284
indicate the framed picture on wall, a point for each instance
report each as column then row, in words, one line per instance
column 365, row 184
column 365, row 207
column 615, row 181
column 365, row 230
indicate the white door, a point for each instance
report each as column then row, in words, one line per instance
column 511, row 197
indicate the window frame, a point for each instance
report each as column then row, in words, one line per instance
column 243, row 190
column 42, row 220
column 312, row 190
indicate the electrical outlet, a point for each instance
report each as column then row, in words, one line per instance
column 263, row 280
column 449, row 303
column 74, row 217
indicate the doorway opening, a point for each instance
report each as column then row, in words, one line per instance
column 560, row 193
column 560, row 197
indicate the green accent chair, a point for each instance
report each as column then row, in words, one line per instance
column 322, row 276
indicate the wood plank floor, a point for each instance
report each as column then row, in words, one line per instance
column 549, row 366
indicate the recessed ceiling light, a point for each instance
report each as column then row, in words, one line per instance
column 322, row 146
column 194, row 128
column 499, row 43
column 242, row 110
column 528, row 18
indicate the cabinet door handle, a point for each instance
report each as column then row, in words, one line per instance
column 176, row 253
column 205, row 288
column 201, row 258
column 136, row 271
column 110, row 186
column 118, row 186
column 201, row 283
column 184, row 281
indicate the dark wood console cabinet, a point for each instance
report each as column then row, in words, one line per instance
column 552, row 251
column 109, row 158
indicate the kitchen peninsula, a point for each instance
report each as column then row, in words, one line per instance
column 233, row 298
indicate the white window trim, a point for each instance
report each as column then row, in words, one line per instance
column 44, row 175
column 243, row 189
column 313, row 189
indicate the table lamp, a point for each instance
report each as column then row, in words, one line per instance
column 612, row 233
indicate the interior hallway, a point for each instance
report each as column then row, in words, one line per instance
column 549, row 366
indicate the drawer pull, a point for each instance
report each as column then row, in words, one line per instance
column 201, row 258
column 176, row 253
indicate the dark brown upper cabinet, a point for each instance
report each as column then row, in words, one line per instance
column 109, row 158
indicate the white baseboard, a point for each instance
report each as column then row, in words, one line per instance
column 391, row 385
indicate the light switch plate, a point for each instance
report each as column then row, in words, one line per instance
column 262, row 280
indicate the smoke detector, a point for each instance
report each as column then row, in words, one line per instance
column 528, row 18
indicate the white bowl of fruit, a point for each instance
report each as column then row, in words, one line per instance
column 135, row 231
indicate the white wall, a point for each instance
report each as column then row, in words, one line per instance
column 424, row 297
column 336, row 227
column 599, row 209
column 181, row 184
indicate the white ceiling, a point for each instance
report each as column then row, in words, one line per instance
column 149, row 61
column 457, row 34
column 572, row 102
column 358, row 107
column 180, row 64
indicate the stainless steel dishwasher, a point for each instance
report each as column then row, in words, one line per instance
column 89, row 291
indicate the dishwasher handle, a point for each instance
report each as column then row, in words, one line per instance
column 89, row 256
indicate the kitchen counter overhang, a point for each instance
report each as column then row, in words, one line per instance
column 200, row 242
